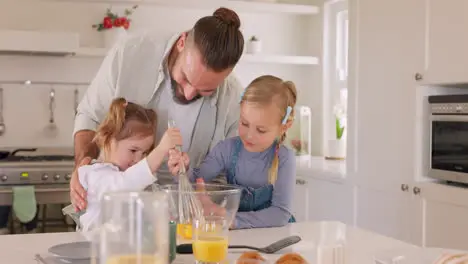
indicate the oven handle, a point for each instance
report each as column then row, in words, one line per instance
column 40, row 190
column 449, row 118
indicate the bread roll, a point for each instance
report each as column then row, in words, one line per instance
column 291, row 258
column 453, row 259
column 250, row 257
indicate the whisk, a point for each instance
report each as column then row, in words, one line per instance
column 189, row 206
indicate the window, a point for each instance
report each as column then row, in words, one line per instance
column 342, row 45
column 335, row 67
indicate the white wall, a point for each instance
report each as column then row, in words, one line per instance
column 25, row 108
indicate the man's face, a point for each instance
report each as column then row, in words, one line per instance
column 191, row 78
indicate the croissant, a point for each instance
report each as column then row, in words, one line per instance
column 453, row 259
column 291, row 258
column 250, row 257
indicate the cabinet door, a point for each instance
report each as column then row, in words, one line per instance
column 397, row 214
column 330, row 201
column 387, row 46
column 301, row 200
column 447, row 42
column 446, row 225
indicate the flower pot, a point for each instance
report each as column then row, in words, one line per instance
column 336, row 149
column 254, row 47
column 113, row 35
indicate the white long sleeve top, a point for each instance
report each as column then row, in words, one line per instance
column 99, row 178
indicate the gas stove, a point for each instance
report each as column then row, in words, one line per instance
column 36, row 169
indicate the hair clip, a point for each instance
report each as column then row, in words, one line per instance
column 286, row 117
column 242, row 95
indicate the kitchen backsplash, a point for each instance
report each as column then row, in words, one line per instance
column 26, row 111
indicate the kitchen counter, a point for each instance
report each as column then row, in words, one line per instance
column 320, row 243
column 321, row 168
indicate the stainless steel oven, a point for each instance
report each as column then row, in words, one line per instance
column 449, row 138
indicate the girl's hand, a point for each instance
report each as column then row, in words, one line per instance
column 175, row 160
column 170, row 140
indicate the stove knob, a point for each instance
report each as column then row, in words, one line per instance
column 68, row 177
column 4, row 178
column 56, row 177
column 45, row 177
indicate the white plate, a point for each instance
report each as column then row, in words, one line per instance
column 74, row 250
column 412, row 255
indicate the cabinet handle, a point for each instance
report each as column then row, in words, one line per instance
column 418, row 76
column 300, row 181
column 416, row 190
column 404, row 187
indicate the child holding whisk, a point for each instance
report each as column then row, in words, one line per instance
column 127, row 160
column 256, row 159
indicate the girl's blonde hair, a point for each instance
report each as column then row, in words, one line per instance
column 269, row 89
column 124, row 120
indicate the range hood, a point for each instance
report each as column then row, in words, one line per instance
column 38, row 43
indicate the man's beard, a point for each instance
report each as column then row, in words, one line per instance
column 180, row 98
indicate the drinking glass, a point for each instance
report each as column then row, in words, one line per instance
column 134, row 228
column 210, row 239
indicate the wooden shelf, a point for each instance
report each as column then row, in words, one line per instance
column 250, row 58
column 267, row 7
column 250, row 6
column 280, row 59
column 91, row 52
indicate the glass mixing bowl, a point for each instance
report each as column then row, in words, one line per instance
column 215, row 200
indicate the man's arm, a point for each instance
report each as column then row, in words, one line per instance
column 84, row 145
column 232, row 119
column 90, row 112
column 95, row 104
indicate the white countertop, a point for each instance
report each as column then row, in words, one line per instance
column 321, row 168
column 318, row 241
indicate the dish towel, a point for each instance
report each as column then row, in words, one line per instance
column 24, row 203
column 70, row 211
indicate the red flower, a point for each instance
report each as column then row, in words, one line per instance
column 118, row 22
column 107, row 23
column 126, row 24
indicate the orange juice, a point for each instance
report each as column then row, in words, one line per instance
column 184, row 230
column 134, row 259
column 210, row 249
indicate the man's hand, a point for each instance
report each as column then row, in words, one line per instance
column 77, row 192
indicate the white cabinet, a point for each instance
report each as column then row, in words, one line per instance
column 330, row 201
column 393, row 45
column 395, row 214
column 447, row 42
column 446, row 216
column 446, row 225
column 322, row 200
column 388, row 39
column 301, row 200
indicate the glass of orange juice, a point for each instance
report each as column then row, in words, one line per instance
column 134, row 228
column 210, row 239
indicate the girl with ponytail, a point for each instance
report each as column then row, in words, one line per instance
column 257, row 159
column 127, row 160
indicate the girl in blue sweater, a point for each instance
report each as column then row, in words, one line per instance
column 256, row 159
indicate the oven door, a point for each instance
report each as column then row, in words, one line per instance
column 45, row 194
column 449, row 148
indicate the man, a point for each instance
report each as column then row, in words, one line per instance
column 186, row 79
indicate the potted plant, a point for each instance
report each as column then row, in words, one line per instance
column 337, row 145
column 254, row 45
column 114, row 26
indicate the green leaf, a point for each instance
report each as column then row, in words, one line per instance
column 339, row 128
